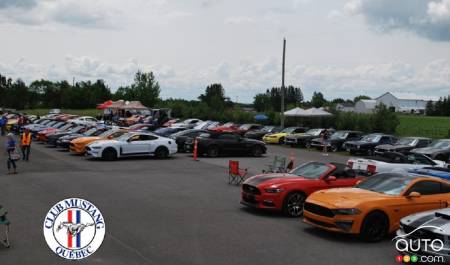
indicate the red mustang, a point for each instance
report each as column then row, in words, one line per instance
column 288, row 191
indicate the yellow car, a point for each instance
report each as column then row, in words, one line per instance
column 279, row 137
column 373, row 208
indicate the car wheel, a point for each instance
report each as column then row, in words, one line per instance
column 213, row 151
column 109, row 154
column 281, row 141
column 161, row 152
column 257, row 151
column 375, row 227
column 293, row 204
column 308, row 144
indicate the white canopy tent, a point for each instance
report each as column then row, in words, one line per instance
column 295, row 112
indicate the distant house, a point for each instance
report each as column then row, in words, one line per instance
column 345, row 107
column 365, row 106
column 404, row 103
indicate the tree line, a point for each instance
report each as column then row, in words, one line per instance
column 438, row 108
column 81, row 95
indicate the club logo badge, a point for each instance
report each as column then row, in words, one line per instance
column 74, row 228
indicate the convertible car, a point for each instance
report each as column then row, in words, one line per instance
column 287, row 192
column 374, row 207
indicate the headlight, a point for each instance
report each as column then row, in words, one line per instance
column 95, row 147
column 273, row 190
column 350, row 211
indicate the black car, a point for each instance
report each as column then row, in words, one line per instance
column 258, row 134
column 403, row 145
column 167, row 131
column 368, row 143
column 64, row 141
column 304, row 139
column 337, row 140
column 52, row 138
column 181, row 137
column 439, row 150
column 214, row 144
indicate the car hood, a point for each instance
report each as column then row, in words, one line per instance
column 345, row 197
column 277, row 134
column 361, row 143
column 427, row 150
column 271, row 179
column 103, row 142
column 437, row 221
column 85, row 140
column 393, row 147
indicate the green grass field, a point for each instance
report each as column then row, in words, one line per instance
column 433, row 127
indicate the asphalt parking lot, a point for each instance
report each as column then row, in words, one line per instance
column 174, row 211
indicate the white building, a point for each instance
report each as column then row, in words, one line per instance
column 345, row 107
column 404, row 103
column 365, row 106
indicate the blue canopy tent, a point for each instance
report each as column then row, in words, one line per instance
column 261, row 117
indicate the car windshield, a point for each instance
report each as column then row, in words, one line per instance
column 288, row 130
column 371, row 138
column 267, row 128
column 106, row 134
column 441, row 144
column 180, row 133
column 315, row 132
column 386, row 183
column 407, row 141
column 90, row 132
column 245, row 126
column 311, row 170
column 67, row 126
column 339, row 135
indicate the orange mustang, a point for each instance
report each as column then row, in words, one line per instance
column 78, row 145
column 373, row 208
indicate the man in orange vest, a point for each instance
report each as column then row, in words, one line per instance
column 25, row 143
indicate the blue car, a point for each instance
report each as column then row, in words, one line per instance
column 434, row 172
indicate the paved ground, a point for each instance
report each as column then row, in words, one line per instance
column 175, row 211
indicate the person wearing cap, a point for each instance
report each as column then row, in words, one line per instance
column 25, row 144
column 10, row 150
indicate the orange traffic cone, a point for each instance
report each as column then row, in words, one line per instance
column 290, row 166
column 195, row 150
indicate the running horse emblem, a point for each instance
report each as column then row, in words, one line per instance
column 73, row 229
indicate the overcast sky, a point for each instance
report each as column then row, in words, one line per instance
column 342, row 48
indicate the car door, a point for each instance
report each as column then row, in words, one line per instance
column 229, row 143
column 431, row 197
column 137, row 144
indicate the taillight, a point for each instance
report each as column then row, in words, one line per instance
column 350, row 164
column 372, row 169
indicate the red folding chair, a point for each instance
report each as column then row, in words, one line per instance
column 236, row 175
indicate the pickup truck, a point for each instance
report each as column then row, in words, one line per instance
column 391, row 162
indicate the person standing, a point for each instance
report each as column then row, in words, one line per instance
column 3, row 123
column 10, row 150
column 25, row 143
column 325, row 136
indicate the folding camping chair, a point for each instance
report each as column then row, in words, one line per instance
column 4, row 221
column 236, row 175
column 278, row 165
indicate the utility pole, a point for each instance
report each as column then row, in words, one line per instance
column 282, row 84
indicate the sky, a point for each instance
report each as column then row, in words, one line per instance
column 341, row 48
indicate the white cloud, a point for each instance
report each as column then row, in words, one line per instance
column 246, row 78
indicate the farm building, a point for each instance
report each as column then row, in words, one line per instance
column 404, row 103
column 365, row 106
column 345, row 107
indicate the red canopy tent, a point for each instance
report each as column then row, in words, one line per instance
column 105, row 104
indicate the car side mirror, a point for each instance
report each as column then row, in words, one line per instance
column 413, row 194
column 331, row 178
